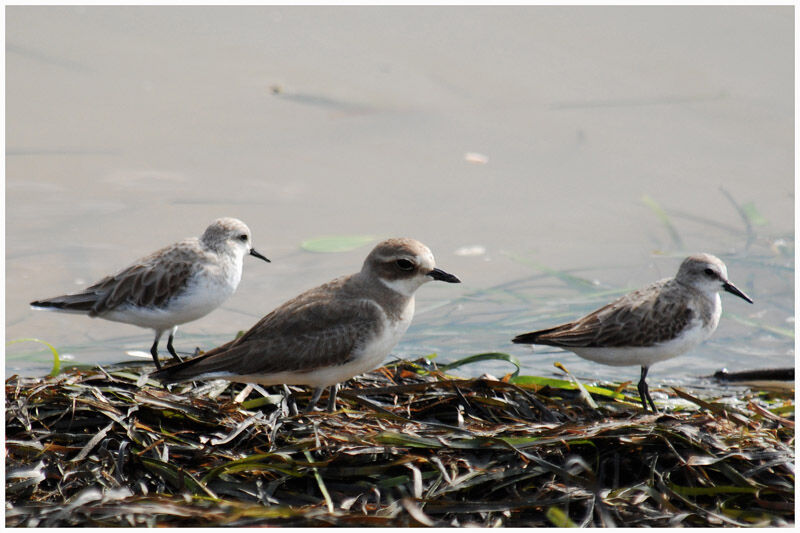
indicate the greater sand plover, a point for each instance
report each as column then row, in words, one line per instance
column 328, row 334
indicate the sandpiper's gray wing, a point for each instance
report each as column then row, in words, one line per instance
column 300, row 336
column 149, row 282
column 644, row 317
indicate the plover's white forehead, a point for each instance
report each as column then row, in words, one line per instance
column 402, row 248
column 224, row 228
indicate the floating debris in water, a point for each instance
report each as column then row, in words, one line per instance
column 781, row 374
column 138, row 353
column 475, row 158
column 471, row 251
column 336, row 243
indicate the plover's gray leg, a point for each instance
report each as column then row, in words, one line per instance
column 170, row 349
column 291, row 404
column 644, row 391
column 154, row 349
column 332, row 390
column 314, row 399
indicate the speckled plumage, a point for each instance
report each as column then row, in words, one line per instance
column 658, row 322
column 644, row 317
column 174, row 285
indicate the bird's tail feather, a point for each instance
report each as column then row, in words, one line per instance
column 82, row 302
column 188, row 370
column 535, row 337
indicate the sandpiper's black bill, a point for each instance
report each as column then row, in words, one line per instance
column 733, row 290
column 441, row 275
column 256, row 254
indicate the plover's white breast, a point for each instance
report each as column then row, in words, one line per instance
column 372, row 353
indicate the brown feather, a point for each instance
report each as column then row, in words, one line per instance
column 632, row 320
column 313, row 330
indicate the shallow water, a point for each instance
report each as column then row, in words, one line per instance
column 510, row 140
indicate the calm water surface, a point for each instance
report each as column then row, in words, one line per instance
column 530, row 148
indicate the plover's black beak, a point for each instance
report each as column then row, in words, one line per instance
column 441, row 275
column 256, row 254
column 728, row 286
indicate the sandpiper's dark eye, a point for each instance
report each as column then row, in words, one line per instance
column 710, row 273
column 404, row 264
column 243, row 238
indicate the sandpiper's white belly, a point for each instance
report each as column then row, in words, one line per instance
column 648, row 355
column 205, row 291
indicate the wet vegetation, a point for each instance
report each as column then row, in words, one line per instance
column 408, row 445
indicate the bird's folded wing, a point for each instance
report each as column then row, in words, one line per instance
column 150, row 283
column 299, row 337
column 629, row 321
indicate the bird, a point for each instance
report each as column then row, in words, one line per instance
column 172, row 286
column 327, row 334
column 657, row 322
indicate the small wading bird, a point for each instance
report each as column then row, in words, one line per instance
column 328, row 334
column 657, row 322
column 173, row 286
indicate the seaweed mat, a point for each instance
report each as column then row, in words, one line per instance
column 407, row 446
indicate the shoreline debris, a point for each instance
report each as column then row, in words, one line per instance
column 412, row 447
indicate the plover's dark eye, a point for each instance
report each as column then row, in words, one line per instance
column 710, row 273
column 243, row 238
column 404, row 264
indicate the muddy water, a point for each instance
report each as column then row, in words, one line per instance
column 518, row 143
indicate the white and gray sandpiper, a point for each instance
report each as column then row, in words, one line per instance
column 172, row 286
column 327, row 334
column 654, row 323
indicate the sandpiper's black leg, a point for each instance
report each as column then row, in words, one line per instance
column 154, row 351
column 644, row 391
column 314, row 399
column 332, row 390
column 650, row 400
column 170, row 349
